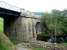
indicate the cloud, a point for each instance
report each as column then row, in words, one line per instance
column 39, row 5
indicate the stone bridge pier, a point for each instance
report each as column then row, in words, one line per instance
column 22, row 29
column 27, row 28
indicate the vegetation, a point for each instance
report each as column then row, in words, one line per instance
column 55, row 23
column 39, row 49
column 1, row 25
column 5, row 43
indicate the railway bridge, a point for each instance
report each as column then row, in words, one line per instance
column 20, row 25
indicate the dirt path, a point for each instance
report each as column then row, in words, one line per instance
column 21, row 47
column 48, row 47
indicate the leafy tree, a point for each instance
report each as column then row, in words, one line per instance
column 55, row 23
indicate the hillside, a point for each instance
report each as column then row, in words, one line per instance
column 5, row 43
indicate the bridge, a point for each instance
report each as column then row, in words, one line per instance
column 19, row 24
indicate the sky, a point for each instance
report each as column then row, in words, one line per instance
column 39, row 5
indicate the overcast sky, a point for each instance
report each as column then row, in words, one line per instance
column 39, row 5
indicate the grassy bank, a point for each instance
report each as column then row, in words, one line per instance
column 5, row 43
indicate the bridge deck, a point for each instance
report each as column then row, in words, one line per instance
column 6, row 12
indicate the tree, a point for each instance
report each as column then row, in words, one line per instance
column 55, row 23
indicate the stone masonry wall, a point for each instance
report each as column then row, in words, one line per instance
column 23, row 30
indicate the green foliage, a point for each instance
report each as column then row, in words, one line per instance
column 1, row 25
column 55, row 22
column 5, row 43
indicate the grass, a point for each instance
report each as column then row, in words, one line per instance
column 65, row 44
column 39, row 49
column 3, row 47
column 5, row 43
column 1, row 24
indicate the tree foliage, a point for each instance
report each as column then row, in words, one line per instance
column 55, row 23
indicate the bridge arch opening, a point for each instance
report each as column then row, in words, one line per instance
column 38, row 27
